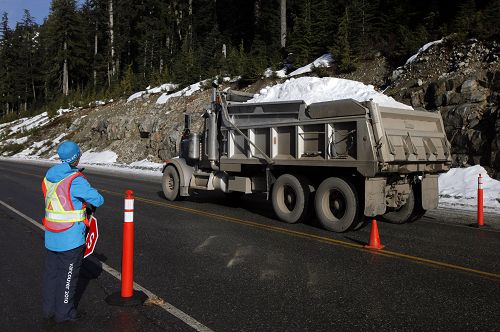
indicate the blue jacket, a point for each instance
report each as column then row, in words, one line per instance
column 80, row 192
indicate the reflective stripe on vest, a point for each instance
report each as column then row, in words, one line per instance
column 60, row 213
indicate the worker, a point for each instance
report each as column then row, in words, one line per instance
column 67, row 196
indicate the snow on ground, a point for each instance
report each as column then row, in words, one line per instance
column 145, row 164
column 314, row 89
column 279, row 73
column 167, row 87
column 422, row 49
column 323, row 61
column 188, row 91
column 25, row 124
column 21, row 140
column 458, row 189
column 40, row 147
column 135, row 96
column 103, row 157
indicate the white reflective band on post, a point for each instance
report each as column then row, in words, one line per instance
column 129, row 204
column 129, row 216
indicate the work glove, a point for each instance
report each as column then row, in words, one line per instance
column 90, row 210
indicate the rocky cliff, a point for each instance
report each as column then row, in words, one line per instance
column 461, row 80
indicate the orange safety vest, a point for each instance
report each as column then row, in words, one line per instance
column 60, row 214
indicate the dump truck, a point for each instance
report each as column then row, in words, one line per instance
column 344, row 160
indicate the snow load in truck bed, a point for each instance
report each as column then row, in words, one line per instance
column 314, row 89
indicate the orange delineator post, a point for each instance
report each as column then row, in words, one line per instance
column 128, row 247
column 126, row 296
column 480, row 215
column 374, row 237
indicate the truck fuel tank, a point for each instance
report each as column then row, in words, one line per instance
column 194, row 146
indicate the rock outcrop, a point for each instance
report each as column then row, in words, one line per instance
column 140, row 129
column 462, row 82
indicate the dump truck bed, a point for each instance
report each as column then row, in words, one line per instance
column 341, row 133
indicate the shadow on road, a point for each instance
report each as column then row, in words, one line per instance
column 254, row 203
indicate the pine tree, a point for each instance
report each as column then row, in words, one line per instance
column 6, row 67
column 465, row 19
column 323, row 25
column 24, row 71
column 301, row 36
column 362, row 20
column 342, row 49
column 266, row 44
column 67, row 66
column 94, row 19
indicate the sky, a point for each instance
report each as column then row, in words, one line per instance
column 39, row 9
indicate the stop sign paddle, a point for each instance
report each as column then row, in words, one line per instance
column 92, row 236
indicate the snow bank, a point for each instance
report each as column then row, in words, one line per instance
column 314, row 89
column 104, row 157
column 458, row 189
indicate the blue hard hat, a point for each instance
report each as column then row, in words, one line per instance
column 68, row 152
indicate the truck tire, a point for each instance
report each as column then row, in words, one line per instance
column 418, row 211
column 409, row 212
column 290, row 198
column 336, row 205
column 170, row 183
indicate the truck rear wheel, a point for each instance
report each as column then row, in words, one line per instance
column 336, row 204
column 409, row 212
column 170, row 183
column 290, row 197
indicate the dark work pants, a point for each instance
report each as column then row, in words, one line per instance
column 59, row 283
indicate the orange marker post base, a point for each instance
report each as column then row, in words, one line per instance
column 127, row 296
column 374, row 238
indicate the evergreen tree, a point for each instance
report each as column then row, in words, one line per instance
column 342, row 49
column 6, row 67
column 466, row 18
column 301, row 36
column 362, row 19
column 67, row 68
column 94, row 27
column 25, row 71
column 322, row 26
column 266, row 43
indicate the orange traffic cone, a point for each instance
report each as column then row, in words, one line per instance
column 374, row 237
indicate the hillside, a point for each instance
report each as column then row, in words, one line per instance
column 459, row 80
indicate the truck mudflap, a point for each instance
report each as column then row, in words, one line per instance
column 430, row 191
column 404, row 136
column 375, row 196
column 185, row 174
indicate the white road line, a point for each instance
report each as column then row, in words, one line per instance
column 153, row 298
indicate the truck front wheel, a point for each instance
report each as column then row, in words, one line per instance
column 170, row 183
column 336, row 204
column 290, row 197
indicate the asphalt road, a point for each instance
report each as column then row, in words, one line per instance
column 231, row 266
